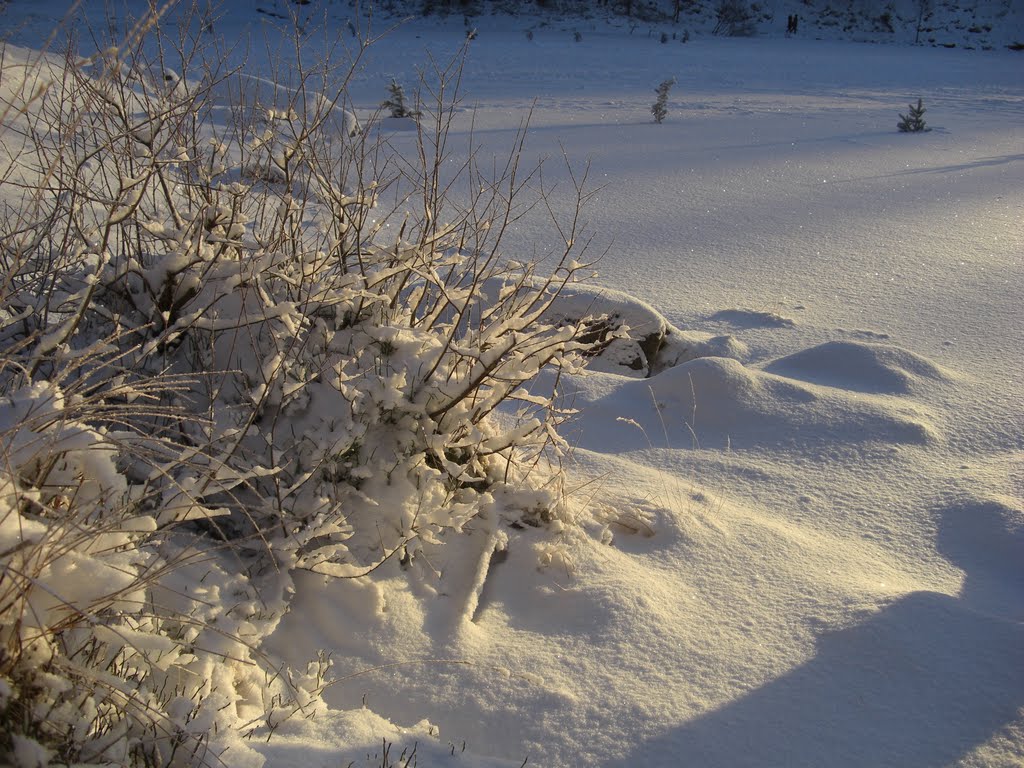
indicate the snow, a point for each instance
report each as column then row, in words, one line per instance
column 800, row 542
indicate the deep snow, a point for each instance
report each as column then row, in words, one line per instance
column 806, row 545
column 834, row 575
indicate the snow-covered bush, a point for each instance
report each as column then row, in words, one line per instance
column 226, row 358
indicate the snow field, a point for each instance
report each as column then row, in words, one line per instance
column 802, row 600
column 800, row 541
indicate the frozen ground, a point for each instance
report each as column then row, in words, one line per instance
column 816, row 551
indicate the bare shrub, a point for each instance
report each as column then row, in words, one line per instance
column 238, row 348
column 735, row 18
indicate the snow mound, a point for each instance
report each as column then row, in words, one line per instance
column 681, row 346
column 714, row 402
column 630, row 331
column 859, row 366
column 637, row 340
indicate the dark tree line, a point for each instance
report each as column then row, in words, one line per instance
column 653, row 10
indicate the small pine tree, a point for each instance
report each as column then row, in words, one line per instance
column 660, row 107
column 397, row 103
column 914, row 122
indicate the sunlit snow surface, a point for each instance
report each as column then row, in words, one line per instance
column 819, row 553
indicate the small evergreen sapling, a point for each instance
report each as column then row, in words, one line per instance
column 660, row 107
column 914, row 122
column 397, row 104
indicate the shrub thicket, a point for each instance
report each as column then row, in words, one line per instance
column 735, row 18
column 225, row 358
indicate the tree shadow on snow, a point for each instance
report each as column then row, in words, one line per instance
column 982, row 162
column 916, row 686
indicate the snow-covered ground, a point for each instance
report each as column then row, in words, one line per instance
column 804, row 544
